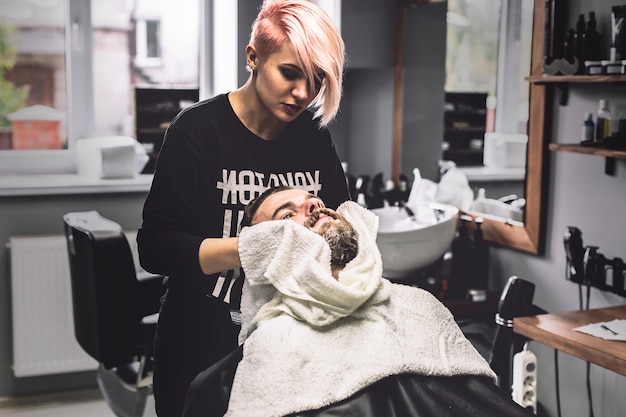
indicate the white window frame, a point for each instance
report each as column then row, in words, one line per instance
column 215, row 75
column 509, row 70
column 79, row 118
column 141, row 42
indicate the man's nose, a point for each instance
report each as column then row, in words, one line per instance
column 313, row 205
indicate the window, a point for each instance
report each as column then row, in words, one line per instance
column 487, row 55
column 488, row 47
column 148, row 42
column 75, row 65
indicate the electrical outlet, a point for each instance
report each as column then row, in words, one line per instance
column 524, row 388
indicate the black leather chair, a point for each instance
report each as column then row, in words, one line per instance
column 422, row 395
column 115, row 309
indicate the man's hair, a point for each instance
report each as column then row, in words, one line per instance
column 253, row 206
column 315, row 40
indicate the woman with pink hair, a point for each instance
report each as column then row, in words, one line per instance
column 217, row 156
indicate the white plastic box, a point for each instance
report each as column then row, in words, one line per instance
column 110, row 157
column 505, row 150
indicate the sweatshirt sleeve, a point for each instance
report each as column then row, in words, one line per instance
column 173, row 226
column 336, row 191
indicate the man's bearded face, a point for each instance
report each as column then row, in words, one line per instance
column 340, row 235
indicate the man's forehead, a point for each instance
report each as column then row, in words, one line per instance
column 286, row 195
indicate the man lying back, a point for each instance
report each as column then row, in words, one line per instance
column 320, row 324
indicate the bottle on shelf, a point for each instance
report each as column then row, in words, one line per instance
column 603, row 121
column 570, row 46
column 579, row 43
column 591, row 46
column 480, row 279
column 588, row 129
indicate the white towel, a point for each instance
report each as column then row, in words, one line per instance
column 311, row 340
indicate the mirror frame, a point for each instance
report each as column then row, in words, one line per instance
column 527, row 236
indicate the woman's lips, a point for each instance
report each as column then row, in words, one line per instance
column 291, row 108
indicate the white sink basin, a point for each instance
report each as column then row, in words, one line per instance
column 407, row 245
column 498, row 209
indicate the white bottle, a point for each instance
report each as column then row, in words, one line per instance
column 588, row 128
column 603, row 121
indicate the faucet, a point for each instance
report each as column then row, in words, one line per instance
column 402, row 206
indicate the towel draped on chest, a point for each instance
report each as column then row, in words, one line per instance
column 311, row 340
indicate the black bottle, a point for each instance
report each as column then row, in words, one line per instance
column 480, row 279
column 462, row 256
column 591, row 48
column 569, row 48
column 579, row 48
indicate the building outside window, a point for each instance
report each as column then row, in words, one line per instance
column 79, row 62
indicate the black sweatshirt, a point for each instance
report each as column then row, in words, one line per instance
column 209, row 167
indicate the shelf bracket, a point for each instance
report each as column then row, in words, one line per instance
column 609, row 166
column 563, row 93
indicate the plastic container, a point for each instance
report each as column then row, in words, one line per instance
column 603, row 121
column 505, row 150
column 593, row 67
column 588, row 129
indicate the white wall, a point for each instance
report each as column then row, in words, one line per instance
column 581, row 195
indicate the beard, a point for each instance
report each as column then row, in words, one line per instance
column 340, row 236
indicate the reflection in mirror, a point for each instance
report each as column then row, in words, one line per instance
column 488, row 47
column 518, row 105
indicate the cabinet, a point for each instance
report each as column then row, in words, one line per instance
column 464, row 118
column 154, row 109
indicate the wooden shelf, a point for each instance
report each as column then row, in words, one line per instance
column 588, row 150
column 547, row 79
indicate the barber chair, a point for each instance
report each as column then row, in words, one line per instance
column 209, row 392
column 115, row 310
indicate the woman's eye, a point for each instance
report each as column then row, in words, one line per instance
column 319, row 78
column 290, row 74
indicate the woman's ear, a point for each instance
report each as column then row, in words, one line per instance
column 251, row 56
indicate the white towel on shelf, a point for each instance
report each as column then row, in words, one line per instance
column 311, row 340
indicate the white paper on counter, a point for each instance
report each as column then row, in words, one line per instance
column 605, row 330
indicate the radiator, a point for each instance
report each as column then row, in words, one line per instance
column 43, row 323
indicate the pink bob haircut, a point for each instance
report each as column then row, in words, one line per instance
column 315, row 40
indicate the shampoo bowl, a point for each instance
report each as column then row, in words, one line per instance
column 408, row 246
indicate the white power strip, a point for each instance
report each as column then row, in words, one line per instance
column 525, row 379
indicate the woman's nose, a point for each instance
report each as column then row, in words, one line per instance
column 301, row 89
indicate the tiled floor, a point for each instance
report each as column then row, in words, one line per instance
column 87, row 403
column 83, row 409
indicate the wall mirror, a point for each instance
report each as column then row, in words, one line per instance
column 526, row 235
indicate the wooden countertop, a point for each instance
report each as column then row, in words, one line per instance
column 557, row 331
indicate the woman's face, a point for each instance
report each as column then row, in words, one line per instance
column 282, row 86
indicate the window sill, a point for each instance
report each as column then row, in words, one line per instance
column 482, row 173
column 32, row 185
